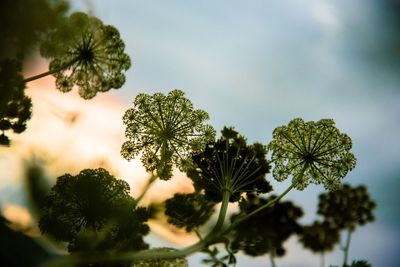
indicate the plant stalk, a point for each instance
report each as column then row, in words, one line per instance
column 272, row 257
column 152, row 179
column 347, row 246
column 44, row 74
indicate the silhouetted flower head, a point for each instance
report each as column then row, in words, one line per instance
column 86, row 53
column 15, row 106
column 174, row 262
column 230, row 164
column 320, row 236
column 313, row 152
column 165, row 129
column 188, row 210
column 93, row 204
column 267, row 230
column 347, row 206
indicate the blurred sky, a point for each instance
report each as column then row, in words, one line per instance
column 254, row 65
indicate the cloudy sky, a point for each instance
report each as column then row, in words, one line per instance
column 254, row 65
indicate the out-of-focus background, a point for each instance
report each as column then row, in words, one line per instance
column 254, row 65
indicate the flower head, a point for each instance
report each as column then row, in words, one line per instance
column 188, row 211
column 229, row 164
column 93, row 204
column 166, row 130
column 267, row 230
column 320, row 236
column 86, row 53
column 347, row 206
column 313, row 152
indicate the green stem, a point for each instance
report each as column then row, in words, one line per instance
column 152, row 179
column 347, row 246
column 272, row 257
column 269, row 204
column 44, row 74
column 148, row 255
column 240, row 219
column 322, row 260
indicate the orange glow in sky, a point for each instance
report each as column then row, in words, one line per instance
column 69, row 134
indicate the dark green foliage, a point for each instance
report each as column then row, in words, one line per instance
column 24, row 22
column 15, row 106
column 347, row 207
column 93, row 211
column 18, row 250
column 188, row 211
column 266, row 231
column 320, row 236
column 230, row 164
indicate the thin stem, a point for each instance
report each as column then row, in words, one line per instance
column 240, row 219
column 269, row 204
column 272, row 256
column 347, row 246
column 44, row 74
column 322, row 259
column 146, row 188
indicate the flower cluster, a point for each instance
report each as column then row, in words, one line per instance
column 266, row 231
column 313, row 152
column 86, row 53
column 319, row 236
column 93, row 211
column 347, row 207
column 229, row 164
column 166, row 130
column 188, row 210
column 15, row 106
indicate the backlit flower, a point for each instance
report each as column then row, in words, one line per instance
column 86, row 53
column 230, row 164
column 313, row 152
column 166, row 130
